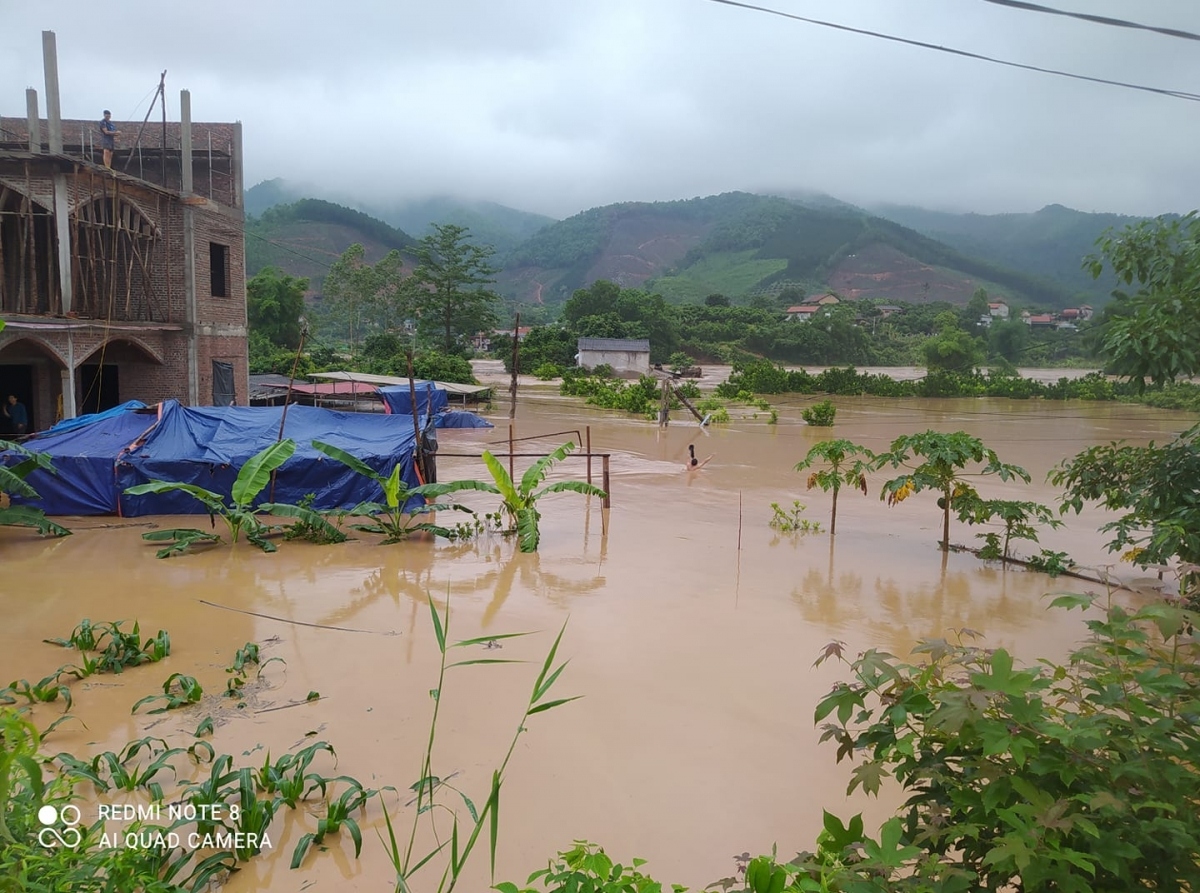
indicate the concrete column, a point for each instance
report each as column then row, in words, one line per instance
column 35, row 122
column 191, row 329
column 238, row 196
column 53, row 109
column 68, row 379
column 62, row 223
column 185, row 139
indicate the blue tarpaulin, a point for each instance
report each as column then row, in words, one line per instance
column 206, row 446
column 430, row 398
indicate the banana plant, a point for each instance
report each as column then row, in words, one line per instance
column 520, row 501
column 239, row 514
column 13, row 483
column 389, row 518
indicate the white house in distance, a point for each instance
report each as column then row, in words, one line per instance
column 998, row 309
column 627, row 356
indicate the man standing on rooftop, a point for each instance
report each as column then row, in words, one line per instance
column 108, row 132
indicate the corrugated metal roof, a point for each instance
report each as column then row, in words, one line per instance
column 632, row 344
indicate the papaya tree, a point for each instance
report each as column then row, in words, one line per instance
column 937, row 461
column 1019, row 517
column 846, row 463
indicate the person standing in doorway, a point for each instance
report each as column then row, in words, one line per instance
column 15, row 412
column 108, row 134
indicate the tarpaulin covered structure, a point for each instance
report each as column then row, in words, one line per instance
column 206, row 446
column 430, row 398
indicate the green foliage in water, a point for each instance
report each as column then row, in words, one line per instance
column 938, row 461
column 520, row 499
column 820, row 415
column 837, row 462
column 1154, row 489
column 13, row 483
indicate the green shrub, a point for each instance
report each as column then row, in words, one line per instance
column 547, row 372
column 820, row 414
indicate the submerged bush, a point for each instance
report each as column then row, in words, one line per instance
column 820, row 415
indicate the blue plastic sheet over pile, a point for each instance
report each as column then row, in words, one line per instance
column 430, row 398
column 206, row 446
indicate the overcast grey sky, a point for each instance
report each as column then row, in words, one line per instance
column 556, row 106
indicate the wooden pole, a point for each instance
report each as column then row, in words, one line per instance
column 685, row 402
column 418, row 455
column 588, row 432
column 604, row 483
column 286, row 399
column 138, row 142
column 512, row 388
column 510, row 450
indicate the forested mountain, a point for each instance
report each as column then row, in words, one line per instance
column 305, row 237
column 1051, row 242
column 492, row 224
column 740, row 243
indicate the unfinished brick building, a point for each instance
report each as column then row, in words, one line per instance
column 121, row 284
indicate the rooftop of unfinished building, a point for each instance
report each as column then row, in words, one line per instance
column 79, row 132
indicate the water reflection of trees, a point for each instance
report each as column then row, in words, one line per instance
column 416, row 575
column 896, row 611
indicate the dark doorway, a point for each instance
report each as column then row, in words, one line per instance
column 18, row 381
column 98, row 388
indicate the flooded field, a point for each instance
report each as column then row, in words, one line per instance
column 691, row 628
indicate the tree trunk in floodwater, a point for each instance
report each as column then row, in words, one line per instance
column 833, row 515
column 946, row 525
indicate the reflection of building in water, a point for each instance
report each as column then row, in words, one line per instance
column 126, row 283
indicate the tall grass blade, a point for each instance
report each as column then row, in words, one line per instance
column 438, row 630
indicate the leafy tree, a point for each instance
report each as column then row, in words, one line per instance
column 716, row 300
column 453, row 272
column 1156, row 332
column 952, row 349
column 274, row 305
column 1008, row 339
column 847, row 463
column 1079, row 776
column 1157, row 488
column 937, row 461
column 976, row 307
column 364, row 297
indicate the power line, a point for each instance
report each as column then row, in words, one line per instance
column 1099, row 20
column 1174, row 94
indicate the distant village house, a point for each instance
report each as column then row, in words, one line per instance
column 627, row 356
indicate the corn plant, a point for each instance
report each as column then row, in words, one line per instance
column 389, row 518
column 115, row 648
column 240, row 514
column 520, row 501
column 121, row 771
column 45, row 691
column 289, row 778
column 178, row 691
column 13, row 483
column 337, row 815
column 937, row 461
column 847, row 463
column 405, row 861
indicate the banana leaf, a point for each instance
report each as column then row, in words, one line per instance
column 538, row 470
column 27, row 516
column 255, row 474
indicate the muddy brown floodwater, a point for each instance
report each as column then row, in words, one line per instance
column 694, row 737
